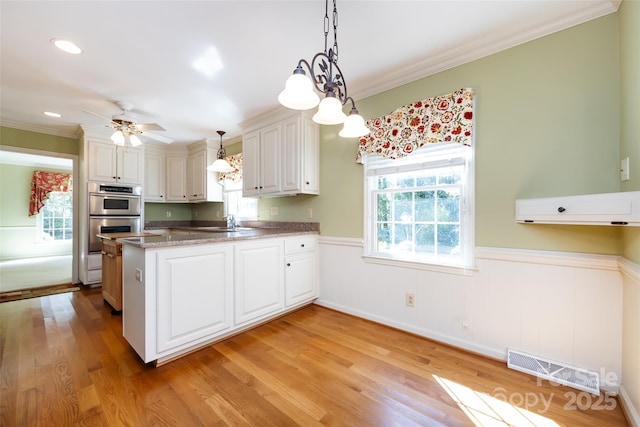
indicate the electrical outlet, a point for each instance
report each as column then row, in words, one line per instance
column 310, row 213
column 138, row 275
column 273, row 211
column 168, row 213
column 410, row 300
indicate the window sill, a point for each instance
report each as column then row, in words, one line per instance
column 440, row 268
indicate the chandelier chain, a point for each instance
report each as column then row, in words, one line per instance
column 335, row 31
column 326, row 24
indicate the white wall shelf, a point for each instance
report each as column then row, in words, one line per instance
column 621, row 208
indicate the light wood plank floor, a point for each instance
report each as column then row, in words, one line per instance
column 64, row 363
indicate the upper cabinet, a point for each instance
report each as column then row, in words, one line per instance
column 280, row 155
column 202, row 184
column 593, row 209
column 110, row 163
column 176, row 178
column 154, row 177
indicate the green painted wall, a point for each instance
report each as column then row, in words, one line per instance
column 547, row 124
column 630, row 112
column 38, row 141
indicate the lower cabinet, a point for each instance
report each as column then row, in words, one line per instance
column 194, row 294
column 112, row 273
column 179, row 298
column 259, row 279
column 301, row 282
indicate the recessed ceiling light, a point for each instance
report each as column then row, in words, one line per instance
column 66, row 46
column 52, row 114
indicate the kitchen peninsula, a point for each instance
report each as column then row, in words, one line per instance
column 189, row 286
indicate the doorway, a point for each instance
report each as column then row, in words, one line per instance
column 27, row 258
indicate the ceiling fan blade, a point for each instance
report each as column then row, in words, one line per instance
column 157, row 137
column 150, row 126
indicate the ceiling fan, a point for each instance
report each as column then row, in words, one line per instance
column 127, row 130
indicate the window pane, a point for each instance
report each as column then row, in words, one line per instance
column 425, row 178
column 384, row 237
column 448, row 239
column 402, row 236
column 425, row 206
column 449, row 205
column 403, row 206
column 425, row 238
column 384, row 207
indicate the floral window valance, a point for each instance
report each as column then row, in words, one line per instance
column 44, row 183
column 446, row 118
column 235, row 161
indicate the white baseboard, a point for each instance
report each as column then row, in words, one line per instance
column 627, row 406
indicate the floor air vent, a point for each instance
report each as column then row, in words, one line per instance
column 582, row 379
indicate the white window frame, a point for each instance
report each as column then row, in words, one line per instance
column 40, row 225
column 235, row 189
column 429, row 156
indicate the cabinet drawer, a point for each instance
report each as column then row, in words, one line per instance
column 294, row 245
column 94, row 276
column 111, row 248
column 94, row 262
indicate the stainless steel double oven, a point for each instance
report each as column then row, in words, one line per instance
column 113, row 208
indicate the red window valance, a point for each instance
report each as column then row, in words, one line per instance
column 44, row 183
column 235, row 161
column 446, row 118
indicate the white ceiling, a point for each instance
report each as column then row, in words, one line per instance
column 143, row 52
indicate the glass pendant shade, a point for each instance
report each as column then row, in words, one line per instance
column 354, row 126
column 330, row 112
column 134, row 140
column 298, row 93
column 118, row 137
column 220, row 165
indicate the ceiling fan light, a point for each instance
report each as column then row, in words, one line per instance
column 330, row 111
column 354, row 126
column 66, row 46
column 118, row 138
column 298, row 93
column 220, row 165
column 134, row 140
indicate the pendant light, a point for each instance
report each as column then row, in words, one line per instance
column 327, row 79
column 220, row 164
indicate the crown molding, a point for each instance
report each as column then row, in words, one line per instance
column 66, row 133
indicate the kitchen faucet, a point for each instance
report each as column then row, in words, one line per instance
column 231, row 223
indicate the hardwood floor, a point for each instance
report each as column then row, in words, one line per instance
column 64, row 363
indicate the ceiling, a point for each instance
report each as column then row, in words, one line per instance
column 144, row 52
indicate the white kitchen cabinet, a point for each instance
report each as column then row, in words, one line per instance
column 280, row 155
column 261, row 160
column 301, row 281
column 259, row 279
column 111, row 163
column 621, row 208
column 154, row 177
column 300, row 154
column 176, row 178
column 194, row 294
column 202, row 184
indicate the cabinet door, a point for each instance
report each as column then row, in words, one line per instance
column 176, row 179
column 251, row 164
column 130, row 165
column 310, row 157
column 194, row 294
column 197, row 167
column 270, row 159
column 259, row 279
column 102, row 162
column 300, row 278
column 291, row 155
column 112, row 273
column 154, row 178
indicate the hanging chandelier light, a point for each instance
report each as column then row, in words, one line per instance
column 220, row 164
column 327, row 78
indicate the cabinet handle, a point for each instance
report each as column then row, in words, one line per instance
column 561, row 209
column 288, row 264
column 113, row 177
column 255, row 188
column 307, row 182
column 302, row 245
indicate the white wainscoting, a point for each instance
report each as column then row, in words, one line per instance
column 562, row 306
column 630, row 388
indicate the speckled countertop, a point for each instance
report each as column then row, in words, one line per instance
column 183, row 233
